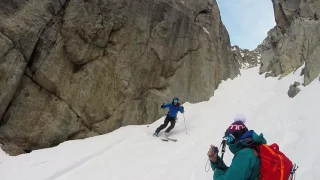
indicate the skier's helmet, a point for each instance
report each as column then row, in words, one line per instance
column 175, row 100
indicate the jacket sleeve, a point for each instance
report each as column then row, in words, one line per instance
column 181, row 109
column 239, row 169
column 166, row 105
column 214, row 165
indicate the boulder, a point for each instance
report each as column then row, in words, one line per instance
column 294, row 89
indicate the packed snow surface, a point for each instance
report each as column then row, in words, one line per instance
column 132, row 153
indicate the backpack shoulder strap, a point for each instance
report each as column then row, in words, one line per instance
column 255, row 148
column 255, row 152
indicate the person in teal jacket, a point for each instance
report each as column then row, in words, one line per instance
column 245, row 164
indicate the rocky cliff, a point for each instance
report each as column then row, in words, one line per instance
column 294, row 41
column 246, row 58
column 73, row 69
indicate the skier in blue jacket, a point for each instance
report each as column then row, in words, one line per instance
column 174, row 108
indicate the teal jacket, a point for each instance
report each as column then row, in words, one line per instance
column 245, row 164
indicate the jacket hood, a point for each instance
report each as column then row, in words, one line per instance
column 249, row 138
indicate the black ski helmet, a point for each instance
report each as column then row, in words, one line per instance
column 175, row 98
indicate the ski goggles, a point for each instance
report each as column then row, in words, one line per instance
column 229, row 139
column 176, row 101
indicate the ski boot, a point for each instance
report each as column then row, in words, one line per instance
column 156, row 134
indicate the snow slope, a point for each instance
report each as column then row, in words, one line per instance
column 131, row 153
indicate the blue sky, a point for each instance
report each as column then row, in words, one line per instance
column 247, row 21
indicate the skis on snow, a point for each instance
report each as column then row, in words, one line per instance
column 168, row 139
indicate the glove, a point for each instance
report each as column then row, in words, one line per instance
column 182, row 108
column 221, row 165
column 162, row 105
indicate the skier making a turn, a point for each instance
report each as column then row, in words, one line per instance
column 174, row 107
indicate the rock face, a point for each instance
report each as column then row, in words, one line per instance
column 246, row 58
column 73, row 69
column 295, row 39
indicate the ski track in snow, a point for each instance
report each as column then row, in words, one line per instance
column 132, row 152
column 79, row 163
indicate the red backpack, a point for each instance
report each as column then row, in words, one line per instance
column 274, row 165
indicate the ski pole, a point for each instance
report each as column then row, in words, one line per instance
column 185, row 125
column 223, row 144
column 293, row 171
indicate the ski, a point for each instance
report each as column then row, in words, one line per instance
column 169, row 139
column 164, row 138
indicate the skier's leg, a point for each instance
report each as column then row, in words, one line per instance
column 162, row 126
column 172, row 124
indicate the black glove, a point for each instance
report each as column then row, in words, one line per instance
column 221, row 165
column 162, row 105
column 182, row 108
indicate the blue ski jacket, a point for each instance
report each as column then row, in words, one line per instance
column 173, row 109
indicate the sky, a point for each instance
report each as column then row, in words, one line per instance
column 247, row 21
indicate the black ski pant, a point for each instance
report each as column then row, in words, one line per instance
column 168, row 119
